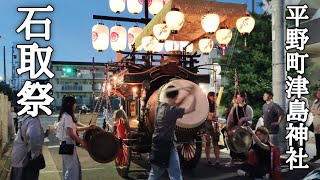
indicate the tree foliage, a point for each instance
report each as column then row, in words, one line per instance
column 252, row 63
column 6, row 90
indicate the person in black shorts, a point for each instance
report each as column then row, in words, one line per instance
column 212, row 129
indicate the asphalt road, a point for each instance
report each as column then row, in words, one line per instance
column 139, row 168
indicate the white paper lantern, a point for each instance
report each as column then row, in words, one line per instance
column 224, row 36
column 155, row 6
column 133, row 33
column 161, row 32
column 149, row 43
column 117, row 6
column 134, row 6
column 100, row 37
column 245, row 24
column 205, row 45
column 189, row 48
column 118, row 38
column 158, row 48
column 210, row 22
column 170, row 45
column 174, row 20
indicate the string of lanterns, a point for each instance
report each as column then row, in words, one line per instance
column 174, row 21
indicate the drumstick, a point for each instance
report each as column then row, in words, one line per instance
column 177, row 88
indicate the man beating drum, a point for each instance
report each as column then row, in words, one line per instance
column 164, row 154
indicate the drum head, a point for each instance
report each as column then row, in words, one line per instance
column 89, row 133
column 192, row 119
column 241, row 140
column 102, row 146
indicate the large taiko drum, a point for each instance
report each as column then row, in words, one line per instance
column 102, row 146
column 188, row 121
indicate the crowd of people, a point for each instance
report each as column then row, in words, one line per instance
column 262, row 159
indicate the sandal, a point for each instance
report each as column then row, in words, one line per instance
column 229, row 164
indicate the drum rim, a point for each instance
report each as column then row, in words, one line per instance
column 178, row 123
column 115, row 141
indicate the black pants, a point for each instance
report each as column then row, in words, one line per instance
column 24, row 173
column 318, row 144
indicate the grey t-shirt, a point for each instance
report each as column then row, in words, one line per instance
column 32, row 133
column 271, row 113
column 165, row 123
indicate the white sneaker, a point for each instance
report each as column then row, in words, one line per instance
column 241, row 172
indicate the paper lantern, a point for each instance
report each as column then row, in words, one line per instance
column 205, row 45
column 134, row 6
column 100, row 37
column 189, row 48
column 161, row 32
column 174, row 20
column 170, row 45
column 118, row 38
column 210, row 23
column 155, row 6
column 245, row 24
column 117, row 6
column 149, row 43
column 133, row 33
column 224, row 36
column 158, row 48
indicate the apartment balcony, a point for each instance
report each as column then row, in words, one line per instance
column 72, row 88
column 62, row 75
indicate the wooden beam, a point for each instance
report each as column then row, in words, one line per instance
column 193, row 11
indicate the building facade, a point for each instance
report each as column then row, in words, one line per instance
column 76, row 78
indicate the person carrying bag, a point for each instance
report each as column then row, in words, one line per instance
column 65, row 148
column 26, row 158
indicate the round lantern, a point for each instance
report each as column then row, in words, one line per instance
column 210, row 23
column 117, row 6
column 205, row 45
column 158, row 48
column 174, row 20
column 161, row 32
column 100, row 37
column 118, row 38
column 155, row 6
column 149, row 43
column 133, row 33
column 224, row 36
column 170, row 45
column 189, row 48
column 134, row 6
column 245, row 24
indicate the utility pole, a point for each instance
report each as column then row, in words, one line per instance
column 253, row 6
column 278, row 63
column 13, row 79
column 4, row 66
column 93, row 84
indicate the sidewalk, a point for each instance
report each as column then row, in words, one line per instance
column 94, row 170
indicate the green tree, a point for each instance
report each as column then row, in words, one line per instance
column 6, row 90
column 253, row 63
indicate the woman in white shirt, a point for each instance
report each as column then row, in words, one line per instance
column 67, row 131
